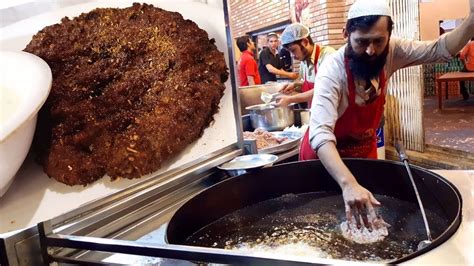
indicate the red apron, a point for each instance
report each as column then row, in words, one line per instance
column 309, row 86
column 355, row 129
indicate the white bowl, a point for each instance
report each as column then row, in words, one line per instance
column 25, row 81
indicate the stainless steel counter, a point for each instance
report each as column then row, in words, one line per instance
column 458, row 250
column 455, row 251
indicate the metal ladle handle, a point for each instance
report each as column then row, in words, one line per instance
column 404, row 158
column 401, row 151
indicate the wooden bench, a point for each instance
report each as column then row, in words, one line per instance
column 451, row 76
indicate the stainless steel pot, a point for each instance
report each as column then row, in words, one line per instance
column 303, row 115
column 270, row 117
column 251, row 95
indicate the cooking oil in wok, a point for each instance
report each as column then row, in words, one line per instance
column 307, row 225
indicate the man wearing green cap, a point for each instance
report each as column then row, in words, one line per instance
column 351, row 84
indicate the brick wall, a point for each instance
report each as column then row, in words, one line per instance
column 247, row 16
column 326, row 20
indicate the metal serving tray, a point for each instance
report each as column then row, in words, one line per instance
column 292, row 141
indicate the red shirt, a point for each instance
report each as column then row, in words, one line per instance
column 467, row 54
column 248, row 67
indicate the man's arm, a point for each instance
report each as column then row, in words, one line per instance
column 456, row 39
column 330, row 85
column 329, row 156
column 250, row 80
column 295, row 85
column 410, row 53
column 357, row 199
column 281, row 72
column 291, row 87
column 285, row 100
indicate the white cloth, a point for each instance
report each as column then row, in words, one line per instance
column 330, row 98
column 362, row 8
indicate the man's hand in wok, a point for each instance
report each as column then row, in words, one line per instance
column 359, row 204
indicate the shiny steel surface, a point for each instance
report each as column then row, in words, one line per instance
column 439, row 255
column 293, row 141
column 251, row 95
column 305, row 116
column 423, row 243
column 404, row 158
column 270, row 117
column 180, row 252
column 249, row 162
column 268, row 97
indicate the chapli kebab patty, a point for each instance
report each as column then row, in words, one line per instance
column 131, row 88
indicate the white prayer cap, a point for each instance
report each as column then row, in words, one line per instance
column 362, row 8
column 294, row 32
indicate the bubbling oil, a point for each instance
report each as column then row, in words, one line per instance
column 307, row 225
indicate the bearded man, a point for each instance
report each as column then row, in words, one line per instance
column 348, row 103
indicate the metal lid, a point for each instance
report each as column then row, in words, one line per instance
column 266, row 106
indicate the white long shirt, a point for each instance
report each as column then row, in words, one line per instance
column 330, row 98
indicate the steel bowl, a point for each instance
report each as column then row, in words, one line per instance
column 251, row 95
column 270, row 117
column 245, row 163
column 305, row 116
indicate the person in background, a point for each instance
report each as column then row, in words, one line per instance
column 285, row 56
column 296, row 39
column 351, row 88
column 248, row 71
column 467, row 57
column 270, row 63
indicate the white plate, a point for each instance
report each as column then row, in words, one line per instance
column 247, row 162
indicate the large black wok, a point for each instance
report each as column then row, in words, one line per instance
column 441, row 199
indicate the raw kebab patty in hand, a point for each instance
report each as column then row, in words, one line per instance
column 131, row 88
column 364, row 235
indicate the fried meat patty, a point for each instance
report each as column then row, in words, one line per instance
column 131, row 88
